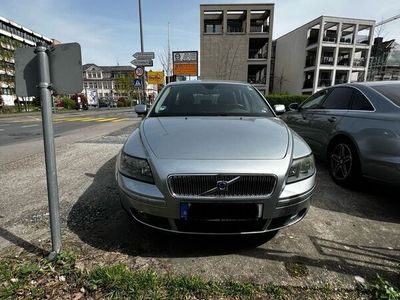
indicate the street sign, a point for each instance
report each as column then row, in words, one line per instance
column 185, row 63
column 139, row 71
column 65, row 64
column 144, row 55
column 155, row 77
column 37, row 69
column 142, row 62
column 136, row 83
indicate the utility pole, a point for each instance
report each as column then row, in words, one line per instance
column 142, row 50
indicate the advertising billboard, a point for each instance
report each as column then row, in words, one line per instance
column 185, row 63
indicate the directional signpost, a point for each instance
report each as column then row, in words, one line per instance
column 142, row 60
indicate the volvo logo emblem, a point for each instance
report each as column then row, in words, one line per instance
column 222, row 185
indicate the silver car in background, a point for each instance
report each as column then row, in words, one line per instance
column 355, row 127
column 213, row 158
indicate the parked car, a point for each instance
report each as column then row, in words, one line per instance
column 213, row 158
column 355, row 127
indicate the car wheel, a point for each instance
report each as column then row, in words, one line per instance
column 343, row 163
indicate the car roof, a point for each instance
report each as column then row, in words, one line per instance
column 206, row 81
column 370, row 83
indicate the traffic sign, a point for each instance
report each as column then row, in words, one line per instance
column 144, row 55
column 155, row 77
column 142, row 62
column 137, row 82
column 139, row 71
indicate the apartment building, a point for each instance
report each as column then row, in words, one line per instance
column 235, row 42
column 12, row 36
column 102, row 80
column 321, row 53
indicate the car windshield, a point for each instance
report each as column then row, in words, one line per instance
column 211, row 99
column 390, row 91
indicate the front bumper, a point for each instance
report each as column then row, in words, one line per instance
column 148, row 206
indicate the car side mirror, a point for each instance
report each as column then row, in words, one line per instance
column 141, row 109
column 293, row 106
column 279, row 109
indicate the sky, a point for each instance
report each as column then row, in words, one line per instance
column 108, row 30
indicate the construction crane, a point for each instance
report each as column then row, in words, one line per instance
column 387, row 21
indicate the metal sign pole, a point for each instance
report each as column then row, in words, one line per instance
column 49, row 148
column 142, row 50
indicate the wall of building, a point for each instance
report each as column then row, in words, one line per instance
column 290, row 61
column 225, row 55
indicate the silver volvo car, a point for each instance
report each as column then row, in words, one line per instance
column 213, row 158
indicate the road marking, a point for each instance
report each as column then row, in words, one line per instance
column 27, row 126
column 119, row 120
column 1, row 129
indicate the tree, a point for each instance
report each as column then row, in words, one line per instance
column 124, row 86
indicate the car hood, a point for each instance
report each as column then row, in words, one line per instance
column 216, row 138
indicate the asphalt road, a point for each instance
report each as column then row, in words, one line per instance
column 347, row 234
column 23, row 128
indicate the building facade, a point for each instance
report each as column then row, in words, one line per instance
column 12, row 36
column 384, row 63
column 103, row 80
column 235, row 43
column 321, row 53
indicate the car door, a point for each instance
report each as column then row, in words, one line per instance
column 327, row 117
column 300, row 120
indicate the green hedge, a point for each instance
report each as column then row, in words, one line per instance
column 285, row 99
column 68, row 103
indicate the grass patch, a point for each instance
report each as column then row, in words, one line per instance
column 39, row 278
column 382, row 289
column 296, row 269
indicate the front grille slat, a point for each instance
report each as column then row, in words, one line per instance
column 245, row 186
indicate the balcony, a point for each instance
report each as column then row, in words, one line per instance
column 344, row 57
column 257, row 74
column 330, row 32
column 258, row 48
column 325, row 79
column 213, row 21
column 236, row 21
column 312, row 35
column 308, row 80
column 347, row 34
column 259, row 21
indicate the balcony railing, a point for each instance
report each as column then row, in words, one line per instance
column 308, row 84
column 343, row 61
column 329, row 39
column 259, row 28
column 359, row 62
column 257, row 54
column 324, row 82
column 327, row 60
column 310, row 61
column 253, row 79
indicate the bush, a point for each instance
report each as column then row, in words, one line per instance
column 68, row 103
column 122, row 102
column 285, row 99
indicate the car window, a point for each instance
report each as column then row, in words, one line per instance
column 339, row 98
column 315, row 100
column 203, row 99
column 390, row 91
column 360, row 102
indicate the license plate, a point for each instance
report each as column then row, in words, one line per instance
column 185, row 210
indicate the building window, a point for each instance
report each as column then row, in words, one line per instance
column 325, row 78
column 363, row 34
column 258, row 48
column 341, row 77
column 257, row 74
column 236, row 21
column 85, row 84
column 213, row 21
column 311, row 58
column 360, row 58
column 259, row 21
column 330, row 32
column 308, row 80
column 347, row 34
column 357, row 76
column 344, row 57
column 312, row 35
column 327, row 56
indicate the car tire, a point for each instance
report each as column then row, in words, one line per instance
column 344, row 166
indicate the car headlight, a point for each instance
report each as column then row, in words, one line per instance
column 136, row 168
column 301, row 168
